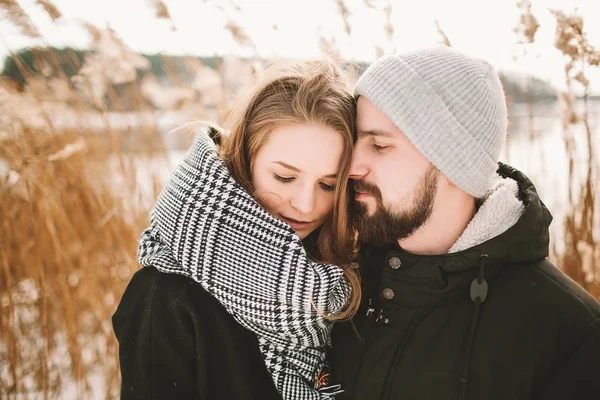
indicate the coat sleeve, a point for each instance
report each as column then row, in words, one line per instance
column 577, row 376
column 156, row 343
column 177, row 342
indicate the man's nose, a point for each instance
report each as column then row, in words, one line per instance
column 358, row 167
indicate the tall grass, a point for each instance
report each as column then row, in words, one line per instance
column 72, row 208
column 69, row 224
column 67, row 249
column 581, row 258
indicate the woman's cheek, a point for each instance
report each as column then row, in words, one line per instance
column 327, row 207
column 270, row 201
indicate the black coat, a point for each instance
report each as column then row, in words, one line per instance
column 536, row 335
column 177, row 342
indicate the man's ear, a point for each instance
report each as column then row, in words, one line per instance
column 445, row 182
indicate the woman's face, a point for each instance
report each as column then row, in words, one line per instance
column 294, row 174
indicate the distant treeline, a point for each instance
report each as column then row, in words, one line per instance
column 66, row 62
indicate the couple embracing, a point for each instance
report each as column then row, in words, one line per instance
column 364, row 245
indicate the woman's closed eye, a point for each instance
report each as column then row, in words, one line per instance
column 284, row 179
column 326, row 187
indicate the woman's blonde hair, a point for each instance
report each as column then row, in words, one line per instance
column 306, row 92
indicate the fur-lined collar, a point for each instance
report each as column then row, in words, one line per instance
column 500, row 210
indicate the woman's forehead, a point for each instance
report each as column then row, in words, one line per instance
column 310, row 148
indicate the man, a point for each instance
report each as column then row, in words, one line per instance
column 459, row 299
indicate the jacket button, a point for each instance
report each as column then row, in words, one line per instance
column 395, row 262
column 388, row 293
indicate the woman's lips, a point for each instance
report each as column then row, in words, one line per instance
column 297, row 225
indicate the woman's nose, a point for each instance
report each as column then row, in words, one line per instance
column 303, row 201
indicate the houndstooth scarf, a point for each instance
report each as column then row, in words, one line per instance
column 206, row 227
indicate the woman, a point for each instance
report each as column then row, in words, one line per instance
column 210, row 244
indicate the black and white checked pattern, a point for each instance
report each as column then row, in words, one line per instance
column 205, row 226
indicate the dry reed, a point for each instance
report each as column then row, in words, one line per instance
column 14, row 13
column 70, row 217
column 528, row 24
column 50, row 8
column 444, row 38
column 68, row 246
column 581, row 257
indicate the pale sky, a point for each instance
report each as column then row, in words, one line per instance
column 482, row 28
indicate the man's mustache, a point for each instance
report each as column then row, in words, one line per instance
column 366, row 187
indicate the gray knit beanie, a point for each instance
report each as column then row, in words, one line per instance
column 451, row 107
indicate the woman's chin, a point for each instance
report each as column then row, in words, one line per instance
column 302, row 234
column 313, row 231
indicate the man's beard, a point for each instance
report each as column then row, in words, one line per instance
column 388, row 226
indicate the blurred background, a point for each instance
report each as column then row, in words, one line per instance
column 89, row 91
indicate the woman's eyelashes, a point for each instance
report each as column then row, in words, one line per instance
column 285, row 179
column 329, row 188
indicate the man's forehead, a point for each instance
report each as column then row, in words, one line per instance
column 372, row 121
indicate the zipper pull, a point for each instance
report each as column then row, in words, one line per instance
column 370, row 310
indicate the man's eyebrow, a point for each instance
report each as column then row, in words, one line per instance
column 374, row 132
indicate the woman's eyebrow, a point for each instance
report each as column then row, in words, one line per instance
column 295, row 169
column 288, row 166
